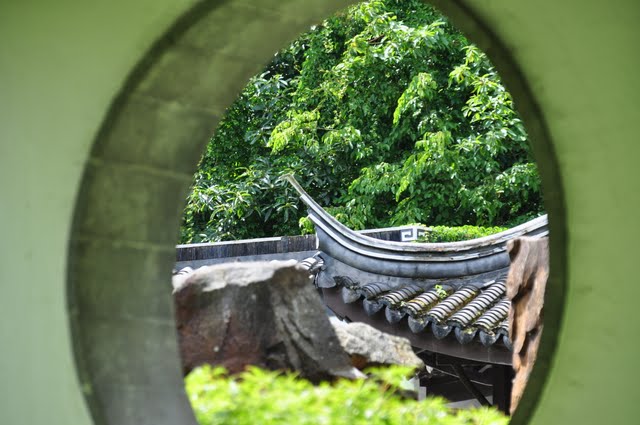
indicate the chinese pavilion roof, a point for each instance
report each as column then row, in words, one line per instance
column 445, row 297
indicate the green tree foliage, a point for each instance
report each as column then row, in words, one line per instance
column 387, row 115
column 258, row 397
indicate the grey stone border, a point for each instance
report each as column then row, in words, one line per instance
column 122, row 246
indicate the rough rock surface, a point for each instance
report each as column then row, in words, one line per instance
column 367, row 346
column 265, row 313
column 526, row 284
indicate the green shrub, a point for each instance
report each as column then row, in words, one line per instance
column 258, row 397
column 459, row 233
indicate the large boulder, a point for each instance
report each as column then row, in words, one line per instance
column 256, row 313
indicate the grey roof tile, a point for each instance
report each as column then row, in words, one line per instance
column 424, row 302
column 454, row 302
column 468, row 312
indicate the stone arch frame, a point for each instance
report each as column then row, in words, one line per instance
column 122, row 243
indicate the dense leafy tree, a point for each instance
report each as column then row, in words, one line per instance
column 387, row 115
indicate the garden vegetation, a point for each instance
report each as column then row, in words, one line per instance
column 387, row 115
column 259, row 397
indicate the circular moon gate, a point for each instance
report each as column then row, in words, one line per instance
column 122, row 246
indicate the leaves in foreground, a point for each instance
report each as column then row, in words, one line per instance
column 258, row 397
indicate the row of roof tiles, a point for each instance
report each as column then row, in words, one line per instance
column 467, row 312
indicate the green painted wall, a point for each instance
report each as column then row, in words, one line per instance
column 62, row 64
column 580, row 59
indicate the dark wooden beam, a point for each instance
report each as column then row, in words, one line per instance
column 502, row 382
column 450, row 388
column 473, row 390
